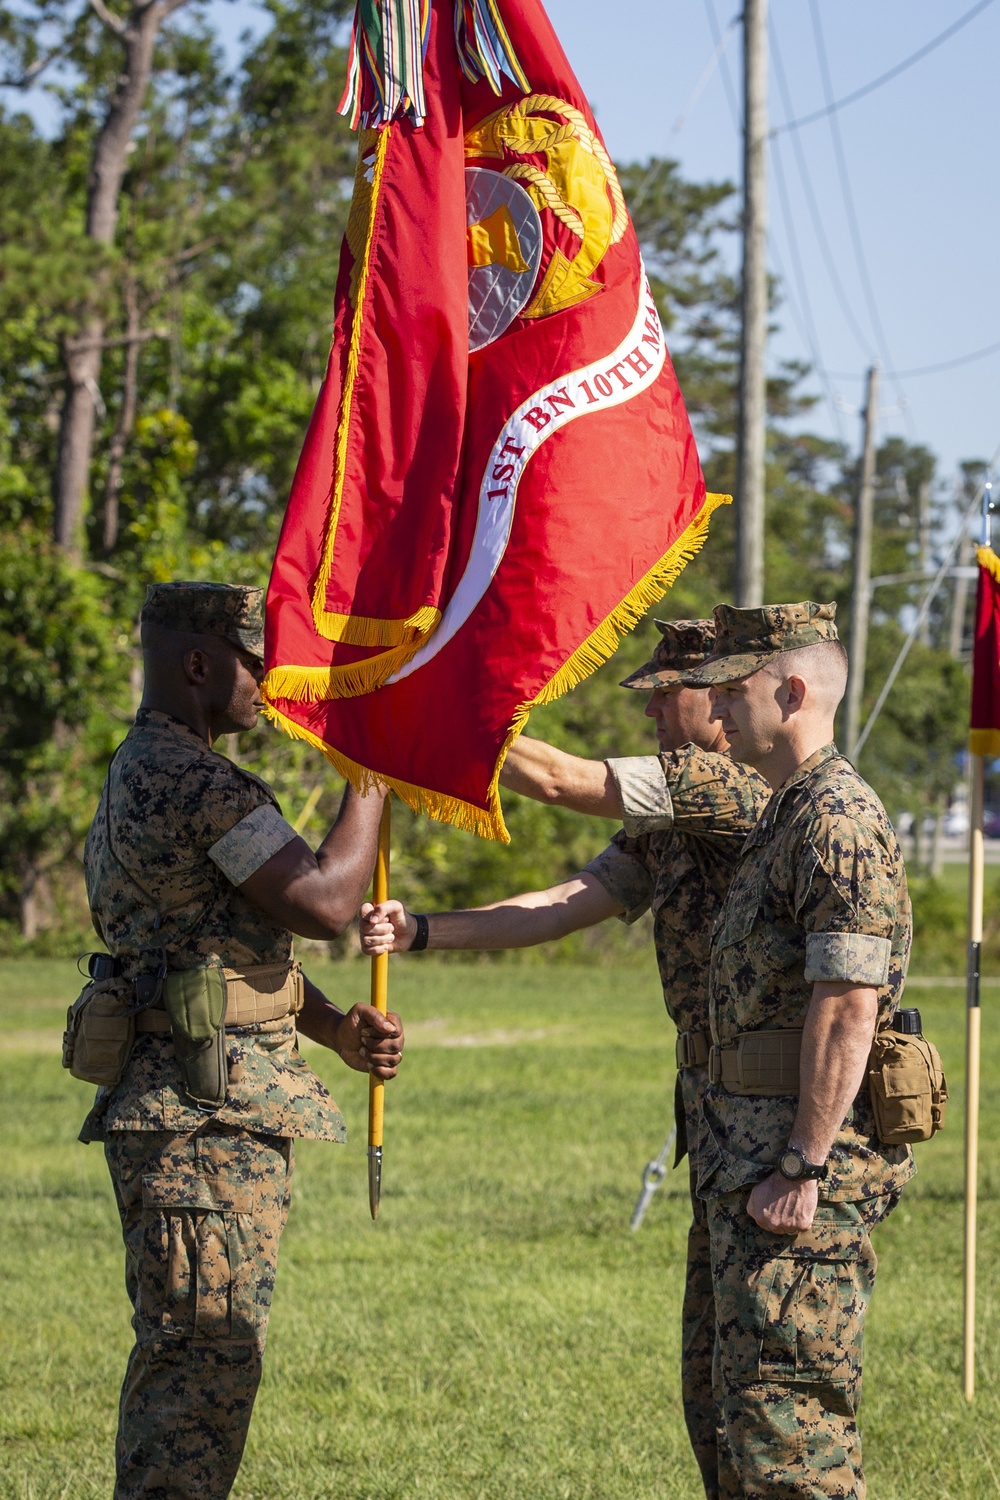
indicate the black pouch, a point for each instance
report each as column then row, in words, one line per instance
column 195, row 1002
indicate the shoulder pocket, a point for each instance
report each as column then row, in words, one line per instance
column 740, row 911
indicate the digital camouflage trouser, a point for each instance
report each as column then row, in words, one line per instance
column 791, row 1313
column 202, row 1216
column 698, row 1309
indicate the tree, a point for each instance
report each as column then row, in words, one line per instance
column 117, row 66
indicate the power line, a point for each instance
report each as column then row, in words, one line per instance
column 702, row 83
column 727, row 82
column 864, row 343
column 852, row 219
column 809, row 329
column 948, row 364
column 877, row 83
column 923, row 611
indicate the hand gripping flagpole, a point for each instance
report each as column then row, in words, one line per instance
column 380, row 1000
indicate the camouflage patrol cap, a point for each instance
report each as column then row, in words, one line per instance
column 747, row 639
column 232, row 610
column 683, row 644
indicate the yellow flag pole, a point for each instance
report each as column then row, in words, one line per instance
column 976, row 864
column 380, row 1000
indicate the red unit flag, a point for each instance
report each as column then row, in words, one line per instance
column 499, row 476
column 984, row 733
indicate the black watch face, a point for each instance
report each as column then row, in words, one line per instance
column 791, row 1165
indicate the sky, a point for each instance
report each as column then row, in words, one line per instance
column 905, row 269
column 921, row 156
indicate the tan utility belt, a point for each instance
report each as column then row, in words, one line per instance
column 764, row 1064
column 693, row 1048
column 263, row 992
column 906, row 1083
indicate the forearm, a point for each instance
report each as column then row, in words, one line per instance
column 317, row 895
column 836, row 1041
column 521, row 922
column 346, row 857
column 319, row 1018
column 538, row 770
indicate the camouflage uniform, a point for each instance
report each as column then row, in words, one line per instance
column 202, row 1196
column 686, row 814
column 819, row 895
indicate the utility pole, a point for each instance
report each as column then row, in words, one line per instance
column 924, row 551
column 861, row 590
column 753, row 336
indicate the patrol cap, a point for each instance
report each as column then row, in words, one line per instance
column 683, row 644
column 747, row 639
column 232, row 610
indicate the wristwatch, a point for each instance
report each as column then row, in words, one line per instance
column 797, row 1168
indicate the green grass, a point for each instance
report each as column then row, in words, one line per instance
column 499, row 1333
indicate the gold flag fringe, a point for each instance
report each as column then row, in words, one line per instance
column 984, row 741
column 347, row 396
column 488, row 822
column 353, row 680
column 987, row 558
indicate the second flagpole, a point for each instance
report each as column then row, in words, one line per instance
column 380, row 1000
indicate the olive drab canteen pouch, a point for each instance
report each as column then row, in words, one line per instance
column 100, row 1031
column 906, row 1083
column 195, row 1002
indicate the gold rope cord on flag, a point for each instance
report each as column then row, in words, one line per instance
column 986, row 741
column 310, row 684
column 589, row 655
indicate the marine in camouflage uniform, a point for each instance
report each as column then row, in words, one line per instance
column 203, row 1195
column 686, row 813
column 819, row 896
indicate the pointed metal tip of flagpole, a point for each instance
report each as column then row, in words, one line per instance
column 374, row 1179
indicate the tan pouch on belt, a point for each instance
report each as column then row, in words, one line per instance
column 907, row 1086
column 100, row 1032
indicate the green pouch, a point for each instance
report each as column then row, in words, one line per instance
column 195, row 1002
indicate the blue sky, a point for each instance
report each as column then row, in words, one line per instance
column 921, row 154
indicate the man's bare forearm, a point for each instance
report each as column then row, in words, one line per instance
column 538, row 770
column 346, row 856
column 523, row 921
column 836, row 1041
column 317, row 895
column 319, row 1018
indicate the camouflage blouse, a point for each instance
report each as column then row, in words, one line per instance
column 181, row 816
column 687, row 814
column 168, row 799
column 819, row 894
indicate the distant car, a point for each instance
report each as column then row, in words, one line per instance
column 991, row 823
column 956, row 823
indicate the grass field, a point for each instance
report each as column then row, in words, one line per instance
column 500, row 1333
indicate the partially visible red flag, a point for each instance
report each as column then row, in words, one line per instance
column 984, row 732
column 499, row 476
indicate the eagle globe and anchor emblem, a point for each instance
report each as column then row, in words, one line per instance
column 578, row 185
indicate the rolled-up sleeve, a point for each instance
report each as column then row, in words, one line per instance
column 642, row 789
column 847, row 957
column 625, row 878
column 250, row 843
column 846, row 900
